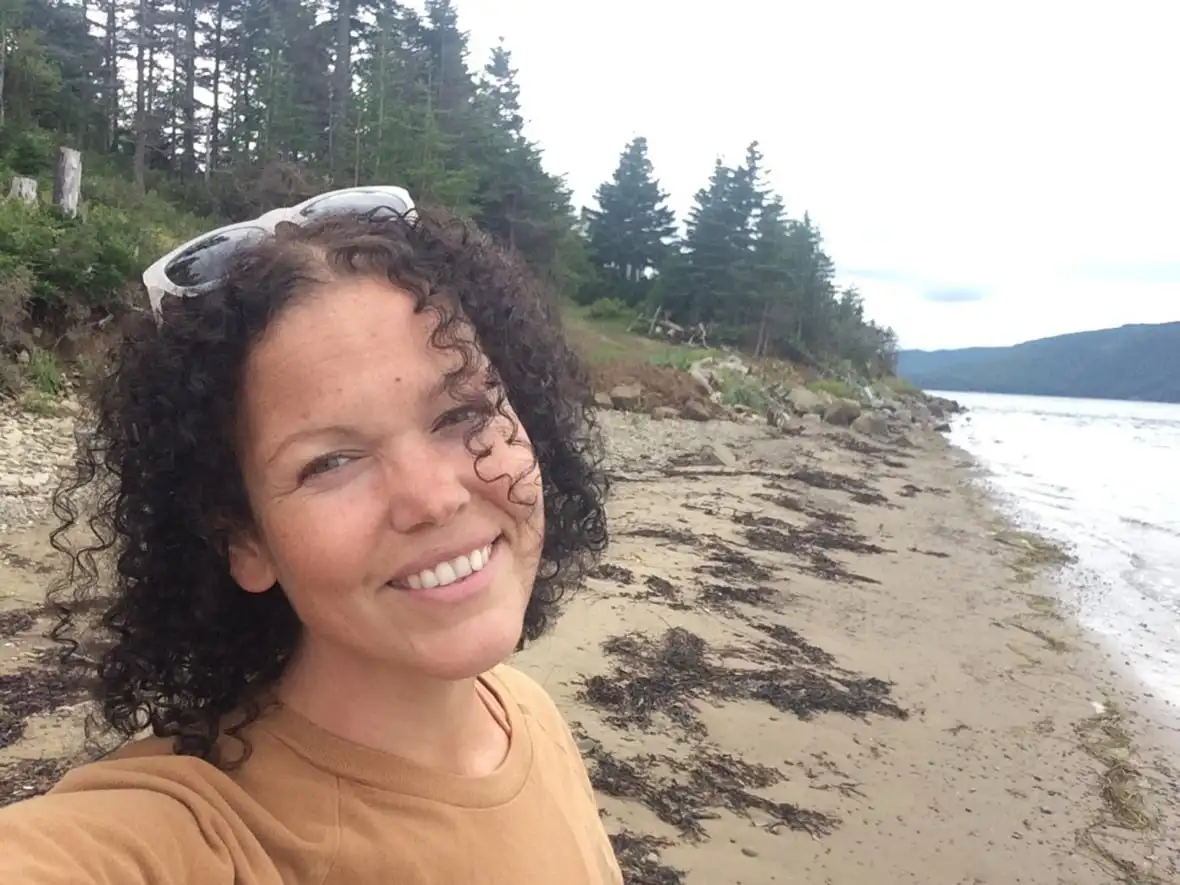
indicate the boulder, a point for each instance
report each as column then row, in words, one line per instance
column 711, row 371
column 695, row 411
column 804, row 401
column 664, row 413
column 871, row 424
column 842, row 412
column 603, row 401
column 627, row 397
column 921, row 414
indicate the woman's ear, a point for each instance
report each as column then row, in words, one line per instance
column 250, row 563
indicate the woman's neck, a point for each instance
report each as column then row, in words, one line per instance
column 439, row 724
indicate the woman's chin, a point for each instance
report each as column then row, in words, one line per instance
column 471, row 653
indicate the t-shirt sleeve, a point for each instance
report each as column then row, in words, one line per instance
column 107, row 837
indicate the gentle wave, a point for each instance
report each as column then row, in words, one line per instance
column 1099, row 477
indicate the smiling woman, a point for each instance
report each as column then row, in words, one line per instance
column 351, row 475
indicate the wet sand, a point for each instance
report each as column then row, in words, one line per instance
column 816, row 659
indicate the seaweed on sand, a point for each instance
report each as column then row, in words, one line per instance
column 30, row 777
column 664, row 678
column 676, row 672
column 726, row 563
column 721, row 597
column 674, row 536
column 787, row 501
column 30, row 691
column 810, row 543
column 639, row 859
column 662, row 591
column 685, row 793
column 15, row 621
column 608, row 571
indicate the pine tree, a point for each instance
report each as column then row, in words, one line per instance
column 630, row 232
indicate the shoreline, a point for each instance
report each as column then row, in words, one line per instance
column 813, row 657
column 1056, row 573
column 940, row 722
column 1113, row 521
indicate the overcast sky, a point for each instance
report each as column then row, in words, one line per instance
column 984, row 175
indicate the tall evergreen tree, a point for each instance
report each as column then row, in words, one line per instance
column 631, row 231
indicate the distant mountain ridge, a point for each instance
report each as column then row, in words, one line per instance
column 1139, row 362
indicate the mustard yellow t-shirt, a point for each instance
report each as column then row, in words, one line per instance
column 308, row 808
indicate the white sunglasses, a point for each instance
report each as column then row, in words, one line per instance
column 193, row 268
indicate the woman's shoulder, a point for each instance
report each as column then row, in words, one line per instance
column 525, row 691
column 535, row 702
column 116, row 820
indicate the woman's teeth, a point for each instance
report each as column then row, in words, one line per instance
column 450, row 571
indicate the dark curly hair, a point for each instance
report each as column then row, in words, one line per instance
column 159, row 483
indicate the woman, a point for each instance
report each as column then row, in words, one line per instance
column 343, row 480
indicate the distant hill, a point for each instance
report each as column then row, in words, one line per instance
column 1132, row 363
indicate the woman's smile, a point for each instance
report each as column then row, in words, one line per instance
column 455, row 579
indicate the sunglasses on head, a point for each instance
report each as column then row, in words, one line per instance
column 196, row 266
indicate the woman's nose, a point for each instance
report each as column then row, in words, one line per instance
column 426, row 487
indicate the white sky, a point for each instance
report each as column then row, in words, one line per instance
column 985, row 173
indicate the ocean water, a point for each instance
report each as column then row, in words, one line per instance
column 1104, row 478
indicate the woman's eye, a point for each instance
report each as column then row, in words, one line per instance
column 322, row 465
column 460, row 415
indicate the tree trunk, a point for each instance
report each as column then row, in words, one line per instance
column 67, row 180
column 24, row 189
column 141, row 86
column 112, row 66
column 215, row 119
column 188, row 159
column 341, row 86
column 3, row 67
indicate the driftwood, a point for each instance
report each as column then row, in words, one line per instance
column 659, row 326
column 24, row 189
column 67, row 180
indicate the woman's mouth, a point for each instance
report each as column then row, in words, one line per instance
column 453, row 578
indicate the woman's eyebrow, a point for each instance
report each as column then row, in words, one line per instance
column 336, row 431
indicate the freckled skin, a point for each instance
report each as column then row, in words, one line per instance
column 351, row 477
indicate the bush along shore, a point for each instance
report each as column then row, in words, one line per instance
column 811, row 651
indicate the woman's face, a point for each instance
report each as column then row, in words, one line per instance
column 369, row 510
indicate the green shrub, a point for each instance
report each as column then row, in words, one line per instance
column 677, row 358
column 74, row 260
column 742, row 390
column 37, row 403
column 836, row 387
column 44, row 373
column 609, row 309
column 28, row 151
column 899, row 386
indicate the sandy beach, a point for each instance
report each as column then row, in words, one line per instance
column 815, row 658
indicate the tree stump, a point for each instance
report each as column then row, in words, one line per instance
column 67, row 180
column 24, row 189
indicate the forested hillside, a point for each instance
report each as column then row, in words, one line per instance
column 1132, row 362
column 194, row 113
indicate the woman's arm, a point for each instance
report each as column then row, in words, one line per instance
column 108, row 837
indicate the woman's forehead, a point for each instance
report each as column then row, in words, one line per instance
column 358, row 345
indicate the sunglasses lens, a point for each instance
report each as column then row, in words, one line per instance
column 205, row 261
column 379, row 205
